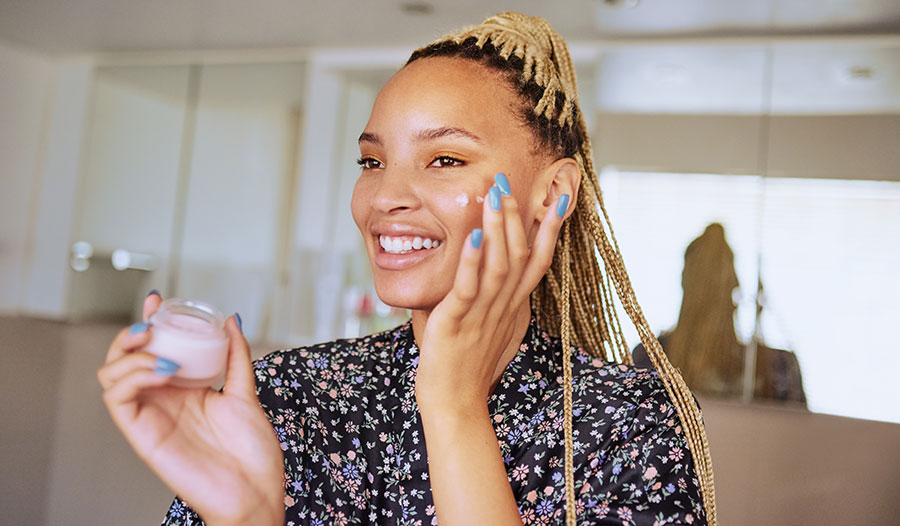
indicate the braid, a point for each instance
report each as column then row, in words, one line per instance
column 576, row 294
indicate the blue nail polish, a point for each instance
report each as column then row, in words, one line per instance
column 237, row 318
column 503, row 184
column 494, row 197
column 477, row 235
column 166, row 367
column 154, row 291
column 139, row 328
column 563, row 205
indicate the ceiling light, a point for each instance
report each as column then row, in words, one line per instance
column 856, row 73
column 417, row 8
column 627, row 4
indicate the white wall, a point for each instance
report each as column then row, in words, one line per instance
column 24, row 88
column 42, row 109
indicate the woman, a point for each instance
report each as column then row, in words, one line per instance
column 471, row 413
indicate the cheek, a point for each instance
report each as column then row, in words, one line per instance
column 460, row 206
column 359, row 203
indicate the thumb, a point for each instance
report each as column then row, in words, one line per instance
column 239, row 378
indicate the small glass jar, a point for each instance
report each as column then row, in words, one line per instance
column 191, row 334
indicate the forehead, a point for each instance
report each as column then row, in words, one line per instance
column 440, row 91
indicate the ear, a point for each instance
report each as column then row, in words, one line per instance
column 560, row 177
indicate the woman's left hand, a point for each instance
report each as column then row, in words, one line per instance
column 469, row 331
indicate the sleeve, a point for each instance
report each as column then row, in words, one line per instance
column 644, row 472
column 180, row 514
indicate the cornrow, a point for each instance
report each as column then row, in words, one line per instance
column 576, row 294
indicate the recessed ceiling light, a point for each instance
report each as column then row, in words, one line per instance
column 856, row 73
column 861, row 72
column 627, row 4
column 417, row 8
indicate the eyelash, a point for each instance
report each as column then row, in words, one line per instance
column 365, row 162
column 456, row 162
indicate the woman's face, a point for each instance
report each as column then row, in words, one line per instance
column 439, row 131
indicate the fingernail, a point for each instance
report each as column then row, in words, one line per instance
column 166, row 367
column 138, row 328
column 477, row 234
column 154, row 291
column 494, row 197
column 237, row 318
column 503, row 184
column 563, row 205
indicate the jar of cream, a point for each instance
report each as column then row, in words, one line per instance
column 191, row 334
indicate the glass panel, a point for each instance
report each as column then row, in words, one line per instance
column 830, row 254
column 127, row 196
column 678, row 131
column 243, row 163
column 831, row 222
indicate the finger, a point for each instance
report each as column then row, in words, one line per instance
column 541, row 250
column 112, row 372
column 151, row 303
column 516, row 250
column 239, row 378
column 496, row 264
column 127, row 340
column 465, row 283
column 122, row 397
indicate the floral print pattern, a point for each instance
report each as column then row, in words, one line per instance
column 346, row 417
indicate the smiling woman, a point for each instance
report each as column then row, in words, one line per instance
column 509, row 397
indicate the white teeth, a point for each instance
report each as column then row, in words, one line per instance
column 396, row 245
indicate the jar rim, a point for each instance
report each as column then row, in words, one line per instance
column 172, row 311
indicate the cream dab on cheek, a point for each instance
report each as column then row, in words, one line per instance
column 462, row 200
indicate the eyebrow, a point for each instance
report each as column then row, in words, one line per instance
column 429, row 134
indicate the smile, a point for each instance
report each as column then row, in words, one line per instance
column 406, row 244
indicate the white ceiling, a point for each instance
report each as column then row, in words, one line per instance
column 129, row 25
column 705, row 76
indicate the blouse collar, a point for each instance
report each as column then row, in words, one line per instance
column 534, row 370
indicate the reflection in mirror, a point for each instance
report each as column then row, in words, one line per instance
column 791, row 148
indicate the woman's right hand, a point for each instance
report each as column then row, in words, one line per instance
column 216, row 450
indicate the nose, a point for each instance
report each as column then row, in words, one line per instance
column 394, row 191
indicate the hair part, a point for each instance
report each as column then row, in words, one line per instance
column 550, row 137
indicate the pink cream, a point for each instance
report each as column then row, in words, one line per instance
column 191, row 334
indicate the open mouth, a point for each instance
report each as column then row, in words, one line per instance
column 406, row 244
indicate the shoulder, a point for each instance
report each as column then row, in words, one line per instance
column 616, row 385
column 632, row 432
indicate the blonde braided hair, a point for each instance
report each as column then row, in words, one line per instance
column 536, row 60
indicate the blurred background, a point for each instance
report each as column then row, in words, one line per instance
column 750, row 156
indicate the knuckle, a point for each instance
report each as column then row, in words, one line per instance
column 466, row 294
column 518, row 254
column 498, row 271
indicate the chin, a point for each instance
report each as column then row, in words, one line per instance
column 411, row 293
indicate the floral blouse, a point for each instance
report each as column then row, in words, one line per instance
column 354, row 450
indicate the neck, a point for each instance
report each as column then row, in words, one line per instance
column 520, row 321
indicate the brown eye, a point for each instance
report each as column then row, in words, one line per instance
column 368, row 163
column 445, row 161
